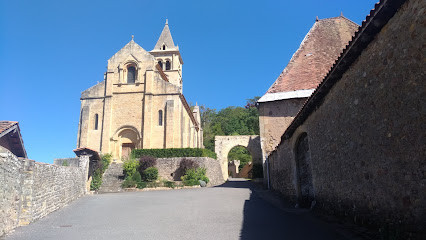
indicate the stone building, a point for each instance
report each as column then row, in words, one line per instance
column 11, row 139
column 307, row 67
column 357, row 147
column 140, row 103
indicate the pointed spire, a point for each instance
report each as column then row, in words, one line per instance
column 133, row 36
column 165, row 41
column 341, row 13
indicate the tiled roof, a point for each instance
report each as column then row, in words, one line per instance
column 316, row 54
column 371, row 26
column 5, row 125
column 10, row 132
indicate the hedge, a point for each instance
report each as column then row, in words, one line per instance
column 173, row 152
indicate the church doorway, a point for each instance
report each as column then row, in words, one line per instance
column 305, row 187
column 125, row 140
column 126, row 150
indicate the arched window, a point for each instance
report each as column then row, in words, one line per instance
column 168, row 65
column 160, row 118
column 96, row 121
column 131, row 74
column 161, row 64
column 164, row 47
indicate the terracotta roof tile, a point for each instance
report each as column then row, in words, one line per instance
column 4, row 125
column 316, row 54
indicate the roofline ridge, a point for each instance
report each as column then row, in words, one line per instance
column 385, row 9
column 289, row 64
column 340, row 17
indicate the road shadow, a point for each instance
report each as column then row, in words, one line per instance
column 262, row 220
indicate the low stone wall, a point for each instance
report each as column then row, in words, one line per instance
column 71, row 162
column 31, row 190
column 168, row 168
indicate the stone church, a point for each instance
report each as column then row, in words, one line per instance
column 140, row 103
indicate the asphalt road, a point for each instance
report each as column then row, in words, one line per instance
column 230, row 211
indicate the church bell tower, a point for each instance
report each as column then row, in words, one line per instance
column 167, row 55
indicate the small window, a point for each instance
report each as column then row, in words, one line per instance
column 96, row 121
column 164, row 47
column 160, row 118
column 168, row 65
column 131, row 74
column 161, row 64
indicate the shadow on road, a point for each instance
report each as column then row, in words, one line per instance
column 264, row 221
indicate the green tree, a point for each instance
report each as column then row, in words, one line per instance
column 230, row 121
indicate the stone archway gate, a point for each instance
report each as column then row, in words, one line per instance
column 223, row 144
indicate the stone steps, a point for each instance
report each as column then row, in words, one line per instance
column 112, row 179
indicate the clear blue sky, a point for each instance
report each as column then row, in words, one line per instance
column 51, row 51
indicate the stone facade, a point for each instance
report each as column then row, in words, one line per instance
column 274, row 118
column 30, row 190
column 223, row 144
column 140, row 103
column 305, row 70
column 168, row 168
column 360, row 151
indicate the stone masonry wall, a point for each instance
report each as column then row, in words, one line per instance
column 31, row 190
column 168, row 168
column 367, row 139
column 11, row 189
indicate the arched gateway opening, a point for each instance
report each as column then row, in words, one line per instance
column 224, row 144
column 305, row 188
column 240, row 162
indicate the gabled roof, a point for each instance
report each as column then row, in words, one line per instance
column 316, row 55
column 5, row 125
column 11, row 138
column 131, row 49
column 165, row 38
column 371, row 26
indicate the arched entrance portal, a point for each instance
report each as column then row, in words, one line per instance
column 223, row 144
column 305, row 187
column 125, row 140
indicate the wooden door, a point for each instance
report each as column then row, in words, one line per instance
column 126, row 149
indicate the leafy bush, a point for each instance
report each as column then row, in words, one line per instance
column 186, row 164
column 128, row 183
column 192, row 176
column 96, row 180
column 146, row 162
column 152, row 184
column 99, row 171
column 106, row 160
column 65, row 163
column 130, row 166
column 169, row 184
column 141, row 185
column 173, row 152
column 150, row 174
column 137, row 177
